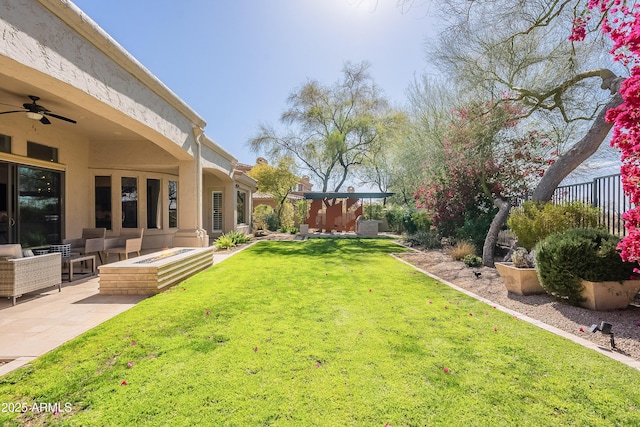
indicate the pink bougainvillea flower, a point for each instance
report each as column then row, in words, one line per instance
column 56, row 412
column 446, row 370
column 130, row 364
column 495, row 329
column 494, row 306
column 255, row 348
column 123, row 383
column 387, row 425
column 318, row 364
column 581, row 329
column 430, row 302
column 208, row 312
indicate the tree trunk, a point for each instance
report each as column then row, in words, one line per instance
column 488, row 250
column 580, row 152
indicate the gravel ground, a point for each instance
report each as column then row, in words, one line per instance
column 626, row 323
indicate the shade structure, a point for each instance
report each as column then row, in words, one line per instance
column 344, row 195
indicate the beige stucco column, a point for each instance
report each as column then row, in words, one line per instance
column 190, row 231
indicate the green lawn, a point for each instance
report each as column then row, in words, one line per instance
column 321, row 333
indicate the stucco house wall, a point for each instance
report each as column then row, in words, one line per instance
column 129, row 124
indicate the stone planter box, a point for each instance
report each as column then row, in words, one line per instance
column 604, row 296
column 520, row 281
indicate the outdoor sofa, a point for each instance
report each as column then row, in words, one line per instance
column 22, row 274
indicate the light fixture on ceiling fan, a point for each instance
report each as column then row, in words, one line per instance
column 38, row 112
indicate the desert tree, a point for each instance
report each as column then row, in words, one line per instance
column 278, row 181
column 330, row 130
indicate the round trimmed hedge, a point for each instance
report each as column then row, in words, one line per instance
column 566, row 258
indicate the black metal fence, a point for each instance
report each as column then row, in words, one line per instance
column 604, row 193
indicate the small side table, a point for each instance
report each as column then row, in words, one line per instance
column 70, row 261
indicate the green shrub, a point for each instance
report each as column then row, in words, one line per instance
column 402, row 219
column 238, row 237
column 476, row 226
column 287, row 215
column 472, row 260
column 534, row 221
column 272, row 221
column 302, row 209
column 566, row 258
column 426, row 239
column 224, row 242
column 291, row 230
column 373, row 211
column 260, row 214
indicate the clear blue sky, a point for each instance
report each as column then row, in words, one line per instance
column 236, row 61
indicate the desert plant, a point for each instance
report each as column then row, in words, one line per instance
column 462, row 249
column 566, row 258
column 224, row 242
column 534, row 221
column 238, row 237
column 472, row 260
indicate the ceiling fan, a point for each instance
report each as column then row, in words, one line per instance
column 38, row 112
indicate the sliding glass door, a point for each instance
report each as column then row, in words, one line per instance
column 30, row 205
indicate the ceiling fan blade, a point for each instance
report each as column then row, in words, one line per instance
column 45, row 121
column 14, row 111
column 58, row 117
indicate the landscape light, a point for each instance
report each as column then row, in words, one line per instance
column 605, row 328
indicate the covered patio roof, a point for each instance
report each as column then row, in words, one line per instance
column 344, row 195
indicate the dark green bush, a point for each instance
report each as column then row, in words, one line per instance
column 472, row 260
column 566, row 258
column 476, row 226
column 402, row 219
column 272, row 221
column 534, row 221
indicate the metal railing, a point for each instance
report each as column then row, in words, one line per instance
column 604, row 193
